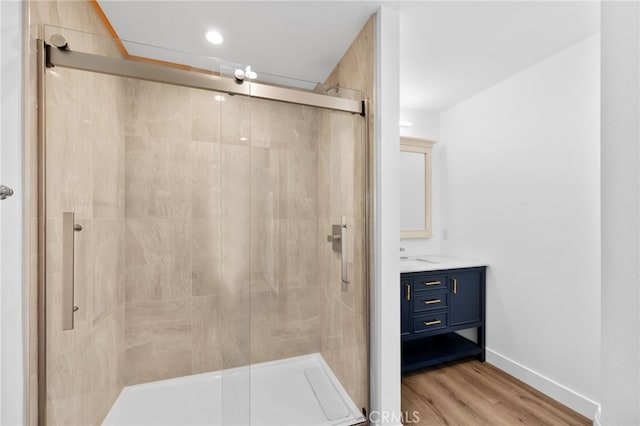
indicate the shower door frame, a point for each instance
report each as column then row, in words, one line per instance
column 49, row 56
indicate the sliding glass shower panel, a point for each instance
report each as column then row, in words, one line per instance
column 85, row 244
column 308, row 327
column 148, row 251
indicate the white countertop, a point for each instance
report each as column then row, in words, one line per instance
column 433, row 262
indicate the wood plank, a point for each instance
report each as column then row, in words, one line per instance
column 475, row 393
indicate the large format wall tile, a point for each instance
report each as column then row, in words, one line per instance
column 158, row 259
column 280, row 125
column 158, row 110
column 236, row 120
column 263, row 213
column 205, row 115
column 206, row 202
column 235, row 216
column 99, row 373
column 206, row 262
column 299, row 237
column 158, row 340
column 107, row 292
column 205, row 182
column 105, row 129
column 206, row 335
column 69, row 178
column 158, row 174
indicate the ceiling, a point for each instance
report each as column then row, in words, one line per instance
column 449, row 51
column 303, row 40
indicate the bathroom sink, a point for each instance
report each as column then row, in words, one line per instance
column 417, row 261
column 410, row 263
column 427, row 260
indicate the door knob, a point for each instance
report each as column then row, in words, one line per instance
column 5, row 192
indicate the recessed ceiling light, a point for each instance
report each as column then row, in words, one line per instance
column 219, row 98
column 405, row 124
column 243, row 139
column 214, row 37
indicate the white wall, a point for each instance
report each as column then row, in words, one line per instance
column 385, row 318
column 425, row 126
column 620, row 213
column 520, row 189
column 12, row 351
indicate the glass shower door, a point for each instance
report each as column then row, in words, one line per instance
column 147, row 248
column 308, row 324
column 85, row 245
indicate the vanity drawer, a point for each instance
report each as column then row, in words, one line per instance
column 425, row 323
column 430, row 283
column 424, row 302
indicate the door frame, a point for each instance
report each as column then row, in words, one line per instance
column 13, row 232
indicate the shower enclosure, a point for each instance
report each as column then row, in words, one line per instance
column 203, row 244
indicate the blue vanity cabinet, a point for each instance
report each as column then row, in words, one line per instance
column 435, row 305
column 466, row 301
column 405, row 297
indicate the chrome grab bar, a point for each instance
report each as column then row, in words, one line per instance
column 69, row 228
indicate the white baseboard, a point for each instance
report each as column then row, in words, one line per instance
column 597, row 419
column 564, row 395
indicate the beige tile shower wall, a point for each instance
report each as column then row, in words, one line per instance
column 342, row 191
column 86, row 175
column 285, row 296
column 158, row 265
column 221, row 226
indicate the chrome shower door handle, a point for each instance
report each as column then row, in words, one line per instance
column 338, row 240
column 345, row 258
column 69, row 228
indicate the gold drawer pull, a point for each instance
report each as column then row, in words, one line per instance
column 432, row 283
column 436, row 322
column 408, row 287
column 431, row 302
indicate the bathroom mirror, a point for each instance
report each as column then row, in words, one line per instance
column 415, row 188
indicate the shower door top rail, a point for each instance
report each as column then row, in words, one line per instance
column 65, row 58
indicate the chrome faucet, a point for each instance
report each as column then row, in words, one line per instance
column 402, row 257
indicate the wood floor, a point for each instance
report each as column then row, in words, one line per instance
column 470, row 393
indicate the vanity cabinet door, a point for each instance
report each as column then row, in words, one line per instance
column 405, row 303
column 465, row 297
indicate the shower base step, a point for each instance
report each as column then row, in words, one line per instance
column 300, row 391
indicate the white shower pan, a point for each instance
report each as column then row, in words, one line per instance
column 300, row 391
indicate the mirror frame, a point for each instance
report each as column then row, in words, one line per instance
column 421, row 146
